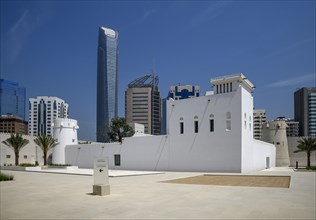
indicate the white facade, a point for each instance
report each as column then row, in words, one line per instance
column 211, row 133
column 28, row 154
column 65, row 133
column 139, row 129
column 43, row 110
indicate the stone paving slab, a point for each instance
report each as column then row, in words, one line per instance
column 34, row 195
column 89, row 172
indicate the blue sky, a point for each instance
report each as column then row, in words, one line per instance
column 50, row 47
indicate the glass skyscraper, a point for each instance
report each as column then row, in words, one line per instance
column 12, row 99
column 305, row 110
column 107, row 81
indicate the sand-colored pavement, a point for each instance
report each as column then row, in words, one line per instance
column 34, row 195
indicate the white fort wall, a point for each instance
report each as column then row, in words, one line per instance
column 65, row 133
column 229, row 148
column 28, row 154
column 254, row 153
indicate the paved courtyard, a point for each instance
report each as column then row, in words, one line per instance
column 35, row 195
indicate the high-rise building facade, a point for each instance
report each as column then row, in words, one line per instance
column 107, row 81
column 13, row 124
column 183, row 92
column 12, row 99
column 305, row 110
column 43, row 110
column 293, row 128
column 259, row 117
column 142, row 103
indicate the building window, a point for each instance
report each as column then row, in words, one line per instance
column 181, row 127
column 211, row 125
column 8, row 156
column 196, row 126
column 228, row 125
column 250, row 123
column 228, row 121
column 117, row 160
column 25, row 156
column 228, row 115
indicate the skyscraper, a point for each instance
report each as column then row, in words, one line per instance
column 43, row 110
column 12, row 99
column 107, row 81
column 142, row 103
column 305, row 111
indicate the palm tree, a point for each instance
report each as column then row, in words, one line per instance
column 16, row 142
column 119, row 129
column 45, row 143
column 306, row 144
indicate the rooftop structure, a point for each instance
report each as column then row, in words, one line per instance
column 224, row 84
column 149, row 80
column 142, row 103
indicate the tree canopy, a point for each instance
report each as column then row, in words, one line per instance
column 16, row 142
column 306, row 144
column 119, row 129
column 45, row 143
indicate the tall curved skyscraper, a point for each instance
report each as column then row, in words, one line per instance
column 107, row 81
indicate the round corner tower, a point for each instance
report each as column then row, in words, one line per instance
column 65, row 133
column 274, row 132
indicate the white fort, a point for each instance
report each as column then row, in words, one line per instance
column 212, row 133
column 65, row 133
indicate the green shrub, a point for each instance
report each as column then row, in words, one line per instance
column 60, row 165
column 5, row 177
column 27, row 165
column 311, row 168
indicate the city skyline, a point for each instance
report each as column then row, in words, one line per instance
column 54, row 43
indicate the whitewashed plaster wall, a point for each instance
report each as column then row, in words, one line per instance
column 31, row 151
column 224, row 150
column 65, row 133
